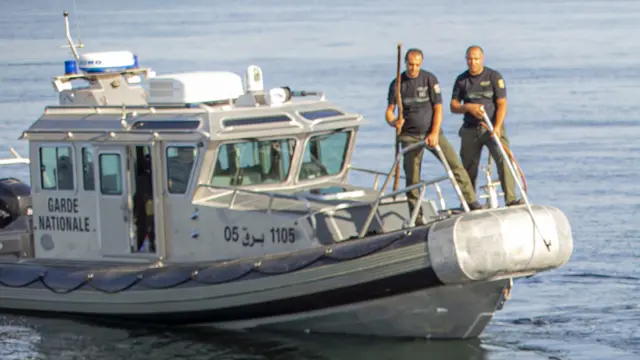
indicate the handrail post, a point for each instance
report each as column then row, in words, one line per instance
column 491, row 191
column 271, row 197
column 389, row 175
column 371, row 214
column 401, row 155
column 416, row 211
column 438, row 150
column 443, row 203
column 233, row 198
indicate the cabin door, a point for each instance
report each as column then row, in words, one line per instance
column 115, row 206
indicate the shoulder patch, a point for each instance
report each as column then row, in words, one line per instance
column 501, row 83
column 436, row 88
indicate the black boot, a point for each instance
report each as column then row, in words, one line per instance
column 476, row 206
column 515, row 202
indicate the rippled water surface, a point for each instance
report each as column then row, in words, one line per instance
column 572, row 73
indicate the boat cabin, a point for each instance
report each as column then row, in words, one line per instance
column 193, row 167
column 197, row 166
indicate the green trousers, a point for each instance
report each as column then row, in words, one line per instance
column 472, row 141
column 413, row 166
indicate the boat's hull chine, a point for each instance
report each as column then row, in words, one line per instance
column 443, row 312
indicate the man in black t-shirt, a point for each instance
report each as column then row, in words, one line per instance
column 476, row 87
column 422, row 113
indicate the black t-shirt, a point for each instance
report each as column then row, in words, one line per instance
column 419, row 94
column 484, row 88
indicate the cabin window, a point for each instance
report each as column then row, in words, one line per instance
column 319, row 114
column 253, row 162
column 180, row 161
column 56, row 168
column 110, row 174
column 256, row 120
column 166, row 125
column 324, row 155
column 87, row 169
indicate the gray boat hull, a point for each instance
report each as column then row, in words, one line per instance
column 384, row 285
column 443, row 312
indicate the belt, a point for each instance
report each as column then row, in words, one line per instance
column 471, row 126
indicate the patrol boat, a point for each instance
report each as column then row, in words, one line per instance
column 205, row 199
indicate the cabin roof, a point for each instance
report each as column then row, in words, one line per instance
column 189, row 122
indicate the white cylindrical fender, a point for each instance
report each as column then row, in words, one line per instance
column 481, row 245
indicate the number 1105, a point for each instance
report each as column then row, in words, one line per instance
column 283, row 235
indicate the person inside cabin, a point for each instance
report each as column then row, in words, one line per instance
column 65, row 173
column 276, row 172
column 179, row 170
column 87, row 172
column 143, row 205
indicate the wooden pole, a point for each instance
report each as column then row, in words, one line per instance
column 396, row 182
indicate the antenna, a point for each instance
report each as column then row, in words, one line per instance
column 69, row 39
column 75, row 11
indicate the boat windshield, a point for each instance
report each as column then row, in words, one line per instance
column 324, row 155
column 253, row 162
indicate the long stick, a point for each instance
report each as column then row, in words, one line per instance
column 396, row 182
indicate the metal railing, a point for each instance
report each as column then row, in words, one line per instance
column 440, row 155
column 414, row 214
column 17, row 159
column 343, row 206
column 514, row 174
column 234, row 191
column 422, row 185
column 378, row 174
